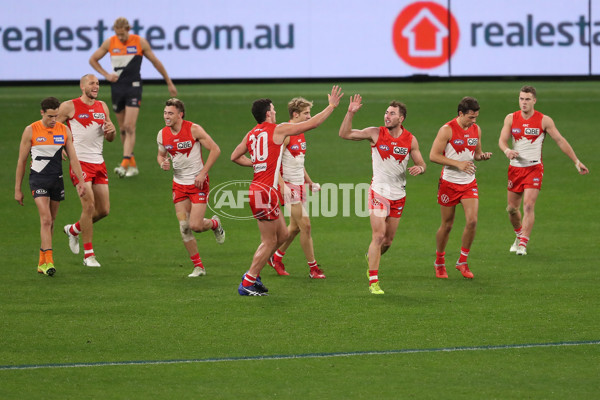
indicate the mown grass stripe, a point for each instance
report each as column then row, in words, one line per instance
column 297, row 356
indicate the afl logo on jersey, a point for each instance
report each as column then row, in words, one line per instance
column 295, row 147
column 168, row 147
column 83, row 116
column 516, row 130
column 459, row 142
column 40, row 139
column 384, row 147
column 184, row 145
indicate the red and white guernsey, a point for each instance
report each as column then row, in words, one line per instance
column 390, row 157
column 265, row 156
column 292, row 164
column 460, row 147
column 185, row 151
column 88, row 134
column 528, row 138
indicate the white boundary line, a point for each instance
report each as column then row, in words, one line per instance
column 297, row 356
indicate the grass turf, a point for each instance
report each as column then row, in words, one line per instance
column 140, row 305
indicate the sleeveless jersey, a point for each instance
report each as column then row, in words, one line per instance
column 126, row 59
column 185, row 151
column 265, row 155
column 292, row 163
column 46, row 148
column 528, row 137
column 390, row 156
column 86, row 127
column 460, row 147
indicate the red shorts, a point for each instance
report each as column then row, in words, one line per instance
column 450, row 194
column 297, row 194
column 196, row 196
column 521, row 178
column 264, row 202
column 95, row 173
column 393, row 208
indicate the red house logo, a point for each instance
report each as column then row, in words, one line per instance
column 425, row 35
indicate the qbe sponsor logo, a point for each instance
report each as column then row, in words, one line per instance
column 184, row 145
column 532, row 131
column 401, row 151
column 472, row 142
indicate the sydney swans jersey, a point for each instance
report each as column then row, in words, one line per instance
column 390, row 157
column 46, row 148
column 185, row 151
column 528, row 137
column 460, row 147
column 292, row 164
column 265, row 155
column 126, row 59
column 87, row 129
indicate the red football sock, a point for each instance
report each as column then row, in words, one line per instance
column 196, row 260
column 88, row 250
column 439, row 257
column 278, row 256
column 248, row 280
column 373, row 276
column 75, row 229
column 464, row 253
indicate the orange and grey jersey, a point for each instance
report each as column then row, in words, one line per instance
column 46, row 148
column 126, row 59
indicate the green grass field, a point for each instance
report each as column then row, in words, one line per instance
column 109, row 333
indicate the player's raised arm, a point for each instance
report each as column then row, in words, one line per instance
column 346, row 131
column 288, row 129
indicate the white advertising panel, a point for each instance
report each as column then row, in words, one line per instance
column 237, row 39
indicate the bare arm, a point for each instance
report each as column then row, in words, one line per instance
column 239, row 154
column 479, row 154
column 563, row 144
column 505, row 137
column 415, row 154
column 437, row 156
column 66, row 110
column 213, row 153
column 95, row 62
column 290, row 129
column 24, row 149
column 149, row 54
column 108, row 127
column 74, row 161
column 346, row 132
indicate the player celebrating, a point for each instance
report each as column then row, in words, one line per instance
column 456, row 145
column 45, row 140
column 295, row 178
column 182, row 141
column 528, row 129
column 391, row 148
column 265, row 145
column 126, row 55
column 90, row 123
